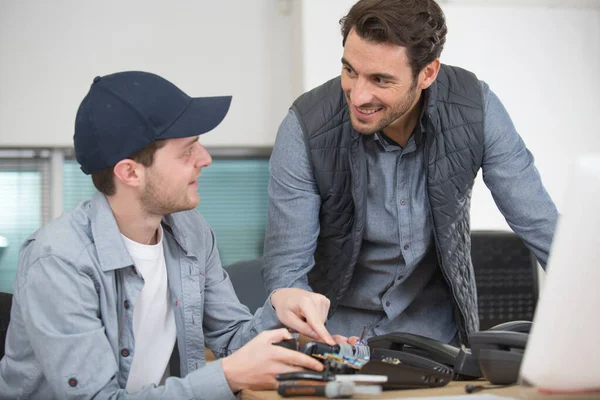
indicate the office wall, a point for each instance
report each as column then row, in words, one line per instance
column 51, row 50
column 540, row 57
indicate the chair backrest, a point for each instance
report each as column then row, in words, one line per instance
column 506, row 276
column 247, row 282
column 5, row 306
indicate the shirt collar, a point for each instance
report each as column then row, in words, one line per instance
column 176, row 224
column 421, row 127
column 110, row 248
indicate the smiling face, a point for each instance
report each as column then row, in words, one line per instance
column 378, row 83
column 171, row 182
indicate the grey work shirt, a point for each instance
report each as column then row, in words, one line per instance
column 397, row 284
column 71, row 331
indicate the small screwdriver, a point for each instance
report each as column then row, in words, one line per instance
column 330, row 390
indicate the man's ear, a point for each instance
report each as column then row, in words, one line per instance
column 128, row 172
column 428, row 74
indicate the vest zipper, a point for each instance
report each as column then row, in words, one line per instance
column 356, row 245
column 462, row 328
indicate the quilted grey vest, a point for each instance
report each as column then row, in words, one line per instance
column 453, row 146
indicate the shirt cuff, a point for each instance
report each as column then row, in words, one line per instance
column 209, row 382
column 269, row 318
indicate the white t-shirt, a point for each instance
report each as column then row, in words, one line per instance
column 153, row 320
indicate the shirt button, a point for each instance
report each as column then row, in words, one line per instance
column 126, row 304
column 125, row 352
column 403, row 202
column 387, row 303
column 72, row 382
column 406, row 247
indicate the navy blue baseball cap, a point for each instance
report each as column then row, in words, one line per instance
column 124, row 112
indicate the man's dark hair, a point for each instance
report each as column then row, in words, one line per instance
column 418, row 25
column 104, row 180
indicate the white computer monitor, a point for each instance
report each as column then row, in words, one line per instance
column 563, row 350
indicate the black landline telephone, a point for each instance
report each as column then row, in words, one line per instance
column 495, row 354
column 401, row 370
column 412, row 361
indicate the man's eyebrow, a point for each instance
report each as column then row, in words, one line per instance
column 345, row 62
column 191, row 141
column 382, row 75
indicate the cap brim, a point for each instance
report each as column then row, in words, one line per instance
column 202, row 115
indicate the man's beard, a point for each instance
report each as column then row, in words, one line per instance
column 157, row 201
column 396, row 112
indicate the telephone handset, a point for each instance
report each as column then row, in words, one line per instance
column 416, row 344
column 461, row 360
column 499, row 354
column 466, row 362
column 513, row 326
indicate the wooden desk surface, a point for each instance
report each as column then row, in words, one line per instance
column 452, row 389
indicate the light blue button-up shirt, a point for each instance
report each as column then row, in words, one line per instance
column 71, row 331
column 397, row 284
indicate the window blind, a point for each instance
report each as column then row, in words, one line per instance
column 234, row 201
column 24, row 207
column 77, row 186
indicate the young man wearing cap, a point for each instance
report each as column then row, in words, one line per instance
column 128, row 289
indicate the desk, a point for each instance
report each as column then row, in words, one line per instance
column 453, row 388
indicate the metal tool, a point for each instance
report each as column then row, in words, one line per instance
column 330, row 390
column 330, row 377
column 360, row 341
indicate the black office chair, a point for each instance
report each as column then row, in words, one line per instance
column 247, row 282
column 5, row 305
column 506, row 276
